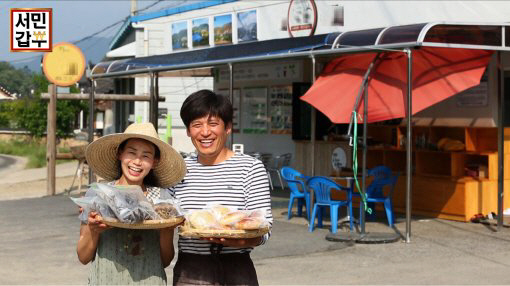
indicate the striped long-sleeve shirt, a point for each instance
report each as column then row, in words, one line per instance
column 240, row 182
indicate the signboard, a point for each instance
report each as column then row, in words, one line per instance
column 477, row 96
column 65, row 65
column 290, row 71
column 30, row 30
column 302, row 18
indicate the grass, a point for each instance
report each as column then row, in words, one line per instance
column 34, row 150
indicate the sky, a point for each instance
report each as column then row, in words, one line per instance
column 73, row 20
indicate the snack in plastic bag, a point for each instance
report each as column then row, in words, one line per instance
column 219, row 217
column 128, row 203
column 167, row 206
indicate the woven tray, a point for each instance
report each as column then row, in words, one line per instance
column 146, row 224
column 196, row 233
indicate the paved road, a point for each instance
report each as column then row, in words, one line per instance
column 39, row 238
column 6, row 161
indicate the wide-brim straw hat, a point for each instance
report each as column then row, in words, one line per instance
column 102, row 156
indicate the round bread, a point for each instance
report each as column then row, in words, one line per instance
column 220, row 211
column 232, row 218
column 249, row 223
column 202, row 219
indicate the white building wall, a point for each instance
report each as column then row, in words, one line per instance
column 271, row 24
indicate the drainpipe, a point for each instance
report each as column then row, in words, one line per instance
column 145, row 54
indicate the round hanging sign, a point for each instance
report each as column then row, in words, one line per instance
column 302, row 18
column 64, row 66
column 338, row 159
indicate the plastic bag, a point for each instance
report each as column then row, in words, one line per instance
column 127, row 202
column 216, row 216
column 91, row 202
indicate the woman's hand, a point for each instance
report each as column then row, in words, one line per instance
column 235, row 242
column 96, row 224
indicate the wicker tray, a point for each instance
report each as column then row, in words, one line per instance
column 196, row 233
column 146, row 224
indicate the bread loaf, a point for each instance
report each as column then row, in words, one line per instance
column 232, row 218
column 249, row 223
column 202, row 219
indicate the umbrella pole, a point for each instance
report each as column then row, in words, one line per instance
column 501, row 146
column 364, row 178
column 409, row 176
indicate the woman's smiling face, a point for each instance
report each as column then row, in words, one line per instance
column 137, row 158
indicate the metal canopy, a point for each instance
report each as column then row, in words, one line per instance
column 438, row 34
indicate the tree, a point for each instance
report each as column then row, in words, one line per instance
column 30, row 111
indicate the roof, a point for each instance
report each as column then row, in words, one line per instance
column 242, row 50
column 486, row 36
column 177, row 9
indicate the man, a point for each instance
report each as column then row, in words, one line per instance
column 217, row 175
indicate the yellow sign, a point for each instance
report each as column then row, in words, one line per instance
column 65, row 65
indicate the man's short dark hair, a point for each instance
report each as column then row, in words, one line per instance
column 205, row 102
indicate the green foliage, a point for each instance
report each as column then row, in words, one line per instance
column 33, row 149
column 30, row 111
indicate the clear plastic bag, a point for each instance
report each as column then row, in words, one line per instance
column 127, row 202
column 216, row 216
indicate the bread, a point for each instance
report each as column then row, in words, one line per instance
column 202, row 219
column 220, row 211
column 232, row 218
column 249, row 223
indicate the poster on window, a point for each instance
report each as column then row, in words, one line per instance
column 280, row 109
column 200, row 32
column 180, row 35
column 247, row 26
column 236, row 104
column 223, row 30
column 254, row 110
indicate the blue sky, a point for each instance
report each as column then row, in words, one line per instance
column 72, row 20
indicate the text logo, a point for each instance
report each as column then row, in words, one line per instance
column 31, row 29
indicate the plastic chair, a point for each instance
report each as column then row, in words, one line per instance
column 295, row 179
column 277, row 163
column 322, row 188
column 383, row 176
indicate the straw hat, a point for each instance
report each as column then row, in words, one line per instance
column 102, row 155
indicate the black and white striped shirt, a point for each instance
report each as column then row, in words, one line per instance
column 240, row 181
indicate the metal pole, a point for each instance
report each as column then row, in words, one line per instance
column 51, row 149
column 314, row 119
column 151, row 101
column 91, row 121
column 231, row 92
column 501, row 146
column 365, row 131
column 155, row 104
column 409, row 115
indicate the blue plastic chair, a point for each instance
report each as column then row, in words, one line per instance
column 295, row 179
column 322, row 188
column 383, row 176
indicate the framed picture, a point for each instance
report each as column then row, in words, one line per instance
column 223, row 29
column 180, row 35
column 200, row 32
column 247, row 26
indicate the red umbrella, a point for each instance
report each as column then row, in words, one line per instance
column 437, row 73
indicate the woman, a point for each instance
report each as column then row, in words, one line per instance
column 124, row 256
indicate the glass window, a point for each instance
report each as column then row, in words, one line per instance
column 465, row 34
column 401, row 34
column 507, row 36
column 360, row 38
